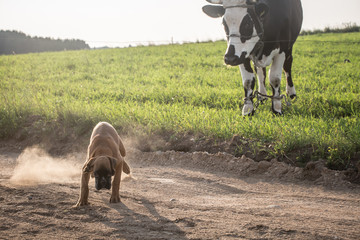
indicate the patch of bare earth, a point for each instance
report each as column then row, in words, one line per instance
column 177, row 195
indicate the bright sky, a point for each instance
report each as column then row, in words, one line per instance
column 120, row 23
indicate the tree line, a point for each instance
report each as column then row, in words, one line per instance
column 14, row 42
column 346, row 28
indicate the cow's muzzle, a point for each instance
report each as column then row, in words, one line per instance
column 231, row 59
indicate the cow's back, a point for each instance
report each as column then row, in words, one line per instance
column 283, row 22
column 296, row 18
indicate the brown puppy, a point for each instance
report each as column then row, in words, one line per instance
column 104, row 160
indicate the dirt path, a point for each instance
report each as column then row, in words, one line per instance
column 176, row 197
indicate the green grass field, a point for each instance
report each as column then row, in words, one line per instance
column 187, row 89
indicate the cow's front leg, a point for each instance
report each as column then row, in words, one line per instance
column 248, row 79
column 261, row 75
column 275, row 81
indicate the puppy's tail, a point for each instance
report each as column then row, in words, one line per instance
column 129, row 176
column 126, row 168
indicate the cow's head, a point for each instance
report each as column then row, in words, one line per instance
column 242, row 20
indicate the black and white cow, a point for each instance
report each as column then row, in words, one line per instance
column 264, row 32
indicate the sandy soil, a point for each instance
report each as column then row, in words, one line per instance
column 175, row 195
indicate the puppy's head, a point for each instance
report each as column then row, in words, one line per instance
column 102, row 168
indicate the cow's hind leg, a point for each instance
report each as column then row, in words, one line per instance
column 275, row 81
column 290, row 89
column 261, row 75
column 248, row 79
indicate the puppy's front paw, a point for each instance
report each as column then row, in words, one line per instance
column 81, row 203
column 115, row 199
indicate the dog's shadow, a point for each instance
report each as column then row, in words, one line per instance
column 143, row 223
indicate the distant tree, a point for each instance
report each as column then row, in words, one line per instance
column 17, row 42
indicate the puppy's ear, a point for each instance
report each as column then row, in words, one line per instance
column 112, row 165
column 89, row 165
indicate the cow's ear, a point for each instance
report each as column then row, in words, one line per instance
column 213, row 11
column 261, row 10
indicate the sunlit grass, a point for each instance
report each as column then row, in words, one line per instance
column 187, row 88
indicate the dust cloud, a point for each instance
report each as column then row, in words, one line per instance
column 35, row 166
